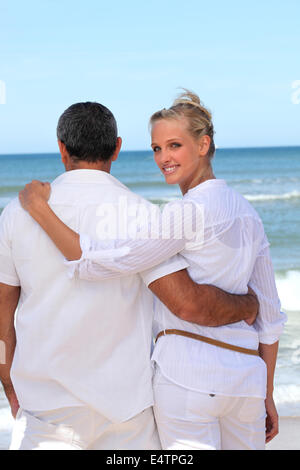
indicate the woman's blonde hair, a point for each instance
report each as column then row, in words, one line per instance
column 189, row 106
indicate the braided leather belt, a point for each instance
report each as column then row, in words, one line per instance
column 220, row 344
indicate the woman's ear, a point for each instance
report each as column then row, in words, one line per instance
column 204, row 144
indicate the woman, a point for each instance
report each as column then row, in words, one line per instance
column 206, row 396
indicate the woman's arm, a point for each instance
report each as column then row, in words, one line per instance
column 268, row 353
column 269, row 324
column 34, row 199
column 132, row 255
column 270, row 321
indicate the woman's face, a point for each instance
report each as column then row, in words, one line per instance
column 178, row 154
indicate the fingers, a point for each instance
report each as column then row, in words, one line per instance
column 271, row 434
column 35, row 183
column 36, row 187
column 251, row 291
column 272, row 428
column 33, row 194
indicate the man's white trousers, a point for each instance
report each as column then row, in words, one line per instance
column 81, row 428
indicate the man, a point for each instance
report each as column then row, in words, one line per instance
column 81, row 368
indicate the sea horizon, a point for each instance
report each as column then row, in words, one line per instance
column 255, row 147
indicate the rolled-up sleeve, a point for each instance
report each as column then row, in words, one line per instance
column 270, row 320
column 113, row 259
column 172, row 265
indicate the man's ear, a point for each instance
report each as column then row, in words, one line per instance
column 117, row 151
column 63, row 152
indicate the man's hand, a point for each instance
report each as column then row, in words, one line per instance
column 34, row 195
column 12, row 398
column 251, row 319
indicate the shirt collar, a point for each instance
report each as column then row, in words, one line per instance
column 87, row 176
column 205, row 184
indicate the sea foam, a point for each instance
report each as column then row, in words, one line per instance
column 273, row 197
column 288, row 290
column 287, row 399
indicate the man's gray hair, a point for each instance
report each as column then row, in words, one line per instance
column 89, row 132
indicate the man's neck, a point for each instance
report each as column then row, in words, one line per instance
column 81, row 165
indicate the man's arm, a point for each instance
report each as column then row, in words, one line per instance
column 9, row 298
column 203, row 304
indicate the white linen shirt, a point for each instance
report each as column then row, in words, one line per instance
column 234, row 253
column 78, row 342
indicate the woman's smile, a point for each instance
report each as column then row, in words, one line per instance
column 170, row 169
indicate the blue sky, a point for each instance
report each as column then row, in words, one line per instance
column 240, row 57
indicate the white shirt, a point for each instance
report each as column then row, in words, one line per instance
column 78, row 342
column 234, row 252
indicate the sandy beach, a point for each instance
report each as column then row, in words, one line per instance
column 288, row 437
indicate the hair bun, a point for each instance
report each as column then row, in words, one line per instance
column 199, row 119
column 190, row 98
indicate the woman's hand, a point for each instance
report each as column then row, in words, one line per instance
column 34, row 199
column 272, row 425
column 34, row 195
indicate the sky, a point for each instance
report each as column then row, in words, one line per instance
column 241, row 58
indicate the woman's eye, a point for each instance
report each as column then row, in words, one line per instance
column 155, row 149
column 175, row 145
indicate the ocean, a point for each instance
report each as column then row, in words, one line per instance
column 268, row 177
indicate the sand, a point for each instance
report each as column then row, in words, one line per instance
column 288, row 437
